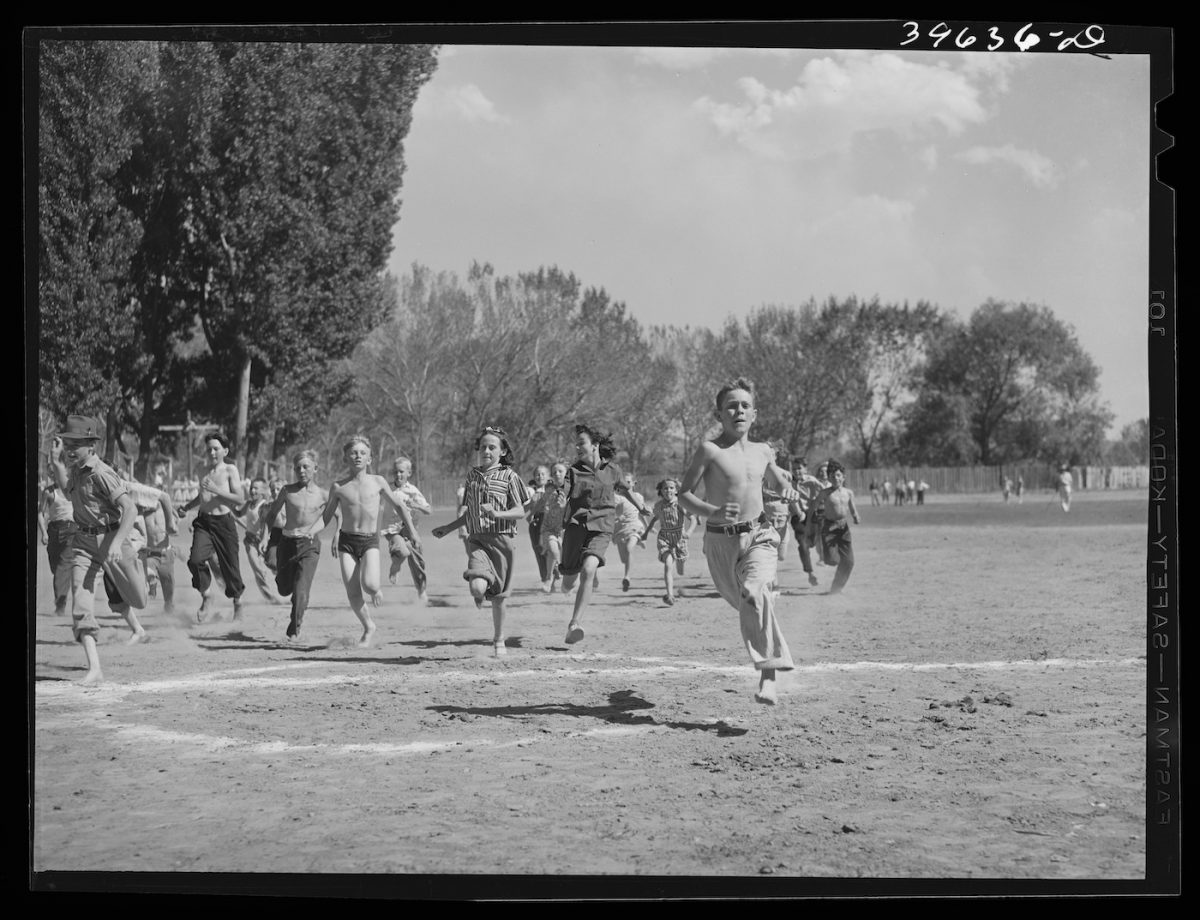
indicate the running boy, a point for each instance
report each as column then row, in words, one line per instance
column 808, row 487
column 298, row 549
column 628, row 526
column 404, row 544
column 495, row 498
column 104, row 515
column 742, row 549
column 836, row 502
column 672, row 542
column 214, row 532
column 357, row 500
column 592, row 486
column 251, row 519
column 157, row 523
column 56, row 529
column 537, row 487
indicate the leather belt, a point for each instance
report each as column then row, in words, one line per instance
column 97, row 531
column 731, row 529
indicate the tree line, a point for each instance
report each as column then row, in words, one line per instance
column 214, row 225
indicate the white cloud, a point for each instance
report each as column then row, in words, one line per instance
column 835, row 99
column 466, row 102
column 993, row 67
column 929, row 157
column 1038, row 169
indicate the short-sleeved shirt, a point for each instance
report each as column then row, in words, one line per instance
column 592, row 495
column 147, row 498
column 500, row 487
column 413, row 501
column 93, row 490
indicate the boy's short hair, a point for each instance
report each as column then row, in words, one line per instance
column 740, row 383
column 219, row 437
column 401, row 459
column 357, row 439
column 307, row 454
column 258, row 479
column 832, row 466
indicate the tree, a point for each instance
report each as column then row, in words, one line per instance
column 1017, row 379
column 87, row 347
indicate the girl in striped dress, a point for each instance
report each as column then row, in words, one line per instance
column 672, row 538
column 494, row 499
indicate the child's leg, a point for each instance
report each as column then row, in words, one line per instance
column 845, row 565
column 583, row 597
column 84, row 569
column 125, row 583
column 262, row 575
column 498, row 612
column 225, row 544
column 304, row 567
column 669, row 579
column 626, row 561
column 94, row 675
column 352, row 579
column 398, row 551
column 202, row 550
column 416, row 567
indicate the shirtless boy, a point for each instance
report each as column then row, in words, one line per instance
column 356, row 500
column 405, row 544
column 298, row 547
column 214, row 532
column 741, row 547
column 836, row 503
column 104, row 516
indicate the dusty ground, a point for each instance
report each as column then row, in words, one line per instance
column 971, row 707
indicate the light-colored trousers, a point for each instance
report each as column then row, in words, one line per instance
column 743, row 567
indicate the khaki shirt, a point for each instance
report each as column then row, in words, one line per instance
column 93, row 490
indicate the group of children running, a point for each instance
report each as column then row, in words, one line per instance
column 575, row 511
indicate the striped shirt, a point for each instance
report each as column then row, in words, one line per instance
column 500, row 487
column 670, row 517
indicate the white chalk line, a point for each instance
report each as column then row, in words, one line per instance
column 104, row 696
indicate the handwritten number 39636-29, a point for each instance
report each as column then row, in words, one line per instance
column 1024, row 39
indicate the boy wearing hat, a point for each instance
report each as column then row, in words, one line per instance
column 104, row 516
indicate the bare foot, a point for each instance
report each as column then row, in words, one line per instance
column 422, row 596
column 204, row 611
column 139, row 636
column 574, row 633
column 478, row 601
column 766, row 688
column 237, row 609
column 91, row 678
column 377, row 599
column 392, row 577
column 499, row 649
column 668, row 600
column 367, row 636
column 812, row 579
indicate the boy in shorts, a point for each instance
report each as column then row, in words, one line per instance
column 742, row 547
column 358, row 500
column 403, row 544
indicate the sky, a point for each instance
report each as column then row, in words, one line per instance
column 696, row 184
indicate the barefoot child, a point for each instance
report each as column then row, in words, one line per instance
column 742, row 549
column 628, row 527
column 253, row 522
column 672, row 538
column 157, row 523
column 552, row 506
column 214, row 533
column 357, row 500
column 404, row 544
column 808, row 487
column 592, row 486
column 836, row 502
column 104, row 515
column 495, row 498
column 537, row 488
column 56, row 528
column 302, row 505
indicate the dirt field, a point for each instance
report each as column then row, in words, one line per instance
column 971, row 707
